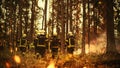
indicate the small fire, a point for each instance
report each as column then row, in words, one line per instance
column 17, row 59
column 52, row 64
column 84, row 67
column 7, row 65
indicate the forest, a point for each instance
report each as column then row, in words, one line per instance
column 59, row 33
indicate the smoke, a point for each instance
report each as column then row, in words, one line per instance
column 97, row 45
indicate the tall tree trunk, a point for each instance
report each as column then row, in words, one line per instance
column 71, row 29
column 52, row 21
column 20, row 21
column 63, row 21
column 26, row 22
column 83, row 29
column 14, row 25
column 111, row 47
column 95, row 22
column 89, row 20
column 45, row 13
column 67, row 5
column 32, row 21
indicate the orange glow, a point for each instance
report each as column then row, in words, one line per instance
column 100, row 2
column 7, row 65
column 11, row 50
column 84, row 67
column 52, row 64
column 16, row 49
column 17, row 59
column 87, row 49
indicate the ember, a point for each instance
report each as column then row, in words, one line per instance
column 7, row 65
column 51, row 64
column 17, row 59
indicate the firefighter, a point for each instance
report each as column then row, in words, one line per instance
column 70, row 43
column 54, row 45
column 40, row 44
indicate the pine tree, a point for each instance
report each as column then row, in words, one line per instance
column 109, row 20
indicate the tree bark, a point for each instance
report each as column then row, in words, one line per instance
column 45, row 13
column 32, row 20
column 71, row 29
column 111, row 47
column 83, row 29
column 89, row 20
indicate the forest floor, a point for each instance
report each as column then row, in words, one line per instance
column 71, row 61
column 31, row 60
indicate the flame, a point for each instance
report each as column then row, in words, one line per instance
column 17, row 59
column 7, row 65
column 84, row 67
column 52, row 64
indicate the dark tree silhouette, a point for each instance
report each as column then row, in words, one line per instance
column 83, row 29
column 109, row 20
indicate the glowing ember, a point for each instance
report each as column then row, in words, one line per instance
column 17, row 59
column 11, row 50
column 52, row 64
column 7, row 65
column 84, row 67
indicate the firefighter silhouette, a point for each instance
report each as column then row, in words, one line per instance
column 70, row 43
column 40, row 44
column 54, row 45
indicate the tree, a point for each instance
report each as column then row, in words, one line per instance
column 109, row 20
column 83, row 28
